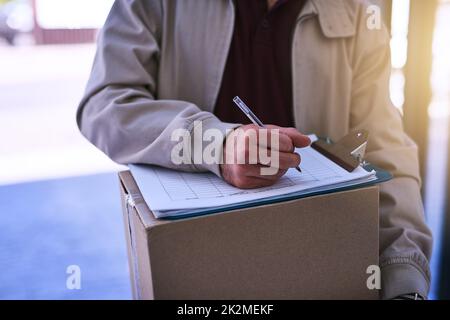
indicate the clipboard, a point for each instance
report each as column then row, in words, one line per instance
column 348, row 152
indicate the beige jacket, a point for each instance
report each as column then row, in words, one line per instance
column 159, row 67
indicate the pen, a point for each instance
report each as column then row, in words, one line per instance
column 253, row 118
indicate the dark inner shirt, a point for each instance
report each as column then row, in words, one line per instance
column 258, row 68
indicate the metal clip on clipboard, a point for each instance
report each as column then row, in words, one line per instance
column 348, row 152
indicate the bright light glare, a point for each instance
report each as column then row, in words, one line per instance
column 72, row 14
column 440, row 80
column 399, row 42
column 397, row 88
column 399, row 50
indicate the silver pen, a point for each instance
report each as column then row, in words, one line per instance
column 253, row 118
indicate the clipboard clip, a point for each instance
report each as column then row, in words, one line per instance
column 349, row 152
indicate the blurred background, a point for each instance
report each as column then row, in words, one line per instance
column 59, row 198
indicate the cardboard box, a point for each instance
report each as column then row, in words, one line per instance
column 313, row 248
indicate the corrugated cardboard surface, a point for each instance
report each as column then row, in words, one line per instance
column 313, row 248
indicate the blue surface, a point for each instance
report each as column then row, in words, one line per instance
column 47, row 226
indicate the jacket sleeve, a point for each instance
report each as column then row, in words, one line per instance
column 405, row 240
column 120, row 112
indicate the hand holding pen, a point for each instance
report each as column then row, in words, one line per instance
column 248, row 175
column 254, row 119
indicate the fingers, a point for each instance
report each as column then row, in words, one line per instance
column 288, row 160
column 288, row 138
column 283, row 142
column 274, row 159
column 252, row 154
column 248, row 150
column 299, row 140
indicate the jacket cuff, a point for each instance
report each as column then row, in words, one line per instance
column 225, row 129
column 401, row 279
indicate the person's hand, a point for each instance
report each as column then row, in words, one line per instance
column 249, row 174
